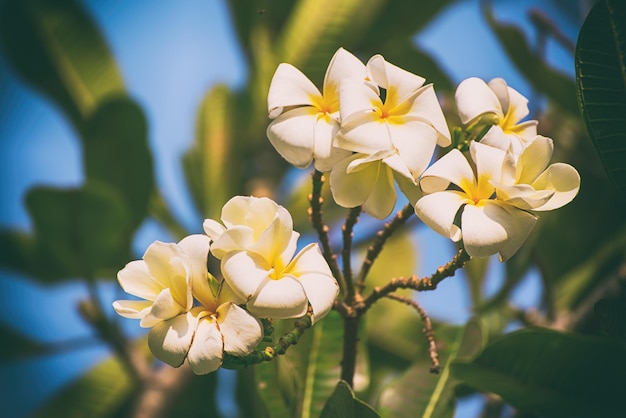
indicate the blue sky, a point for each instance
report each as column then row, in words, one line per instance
column 170, row 54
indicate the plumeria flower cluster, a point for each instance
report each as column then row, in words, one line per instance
column 376, row 125
column 195, row 316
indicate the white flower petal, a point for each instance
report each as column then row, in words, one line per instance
column 474, row 98
column 398, row 166
column 350, row 190
column 244, row 272
column 279, row 299
column 561, row 178
column 523, row 196
column 314, row 274
column 133, row 309
column 426, row 106
column 207, row 350
column 325, row 153
column 213, row 229
column 438, row 211
column 355, row 98
column 412, row 191
column 227, row 294
column 254, row 212
column 241, row 331
column 512, row 101
column 415, row 142
column 167, row 264
column 136, row 280
column 163, row 308
column 501, row 90
column 293, row 135
column 169, row 340
column 534, row 159
column 382, row 200
column 289, row 87
column 343, row 66
column 236, row 238
column 197, row 248
column 399, row 83
column 451, row 168
column 273, row 241
column 491, row 227
column 489, row 161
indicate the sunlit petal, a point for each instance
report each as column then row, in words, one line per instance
column 236, row 238
column 134, row 309
column 438, row 211
column 280, row 299
column 523, row 196
column 293, row 135
column 382, row 200
column 489, row 161
column 289, row 87
column 399, row 83
column 474, row 98
column 326, row 154
column 241, row 331
column 170, row 340
column 343, row 66
column 415, row 143
column 427, row 106
column 561, row 178
column 534, row 159
column 352, row 189
column 135, row 279
column 244, row 272
column 451, row 168
column 213, row 229
column 207, row 350
column 197, row 248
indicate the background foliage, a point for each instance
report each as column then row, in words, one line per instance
column 566, row 360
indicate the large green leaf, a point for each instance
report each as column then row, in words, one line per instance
column 344, row 404
column 116, row 152
column 558, row 87
column 78, row 231
column 56, row 47
column 601, row 85
column 552, row 374
column 18, row 345
column 419, row 393
column 99, row 393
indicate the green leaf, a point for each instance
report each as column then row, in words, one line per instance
column 612, row 313
column 277, row 403
column 419, row 393
column 97, row 394
column 116, row 152
column 558, row 87
column 344, row 404
column 17, row 345
column 56, row 46
column 79, row 231
column 552, row 374
column 601, row 85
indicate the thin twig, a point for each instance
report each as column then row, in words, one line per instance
column 316, row 218
column 414, row 282
column 428, row 329
column 381, row 237
column 351, row 220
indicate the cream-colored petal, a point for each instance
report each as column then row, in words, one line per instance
column 523, row 196
column 160, row 258
column 227, row 294
column 293, row 135
column 501, row 90
column 398, row 166
column 290, row 249
column 356, row 97
column 133, row 309
column 325, row 153
column 236, row 238
column 289, row 87
column 314, row 274
column 415, row 142
column 438, row 211
column 495, row 137
column 350, row 190
column 279, row 299
column 169, row 340
column 343, row 66
column 412, row 191
column 474, row 98
column 254, row 212
column 451, row 168
column 490, row 228
column 197, row 248
column 489, row 163
column 382, row 200
column 245, row 272
column 213, row 229
column 163, row 308
column 136, row 280
column 400, row 84
column 206, row 353
column 241, row 331
column 512, row 101
column 426, row 106
column 534, row 159
column 273, row 241
column 561, row 178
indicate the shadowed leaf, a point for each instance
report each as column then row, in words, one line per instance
column 344, row 404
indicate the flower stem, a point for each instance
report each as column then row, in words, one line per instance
column 351, row 220
column 316, row 218
column 350, row 340
column 381, row 237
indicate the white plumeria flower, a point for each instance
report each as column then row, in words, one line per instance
column 257, row 247
column 169, row 276
column 488, row 225
column 398, row 133
column 305, row 120
column 476, row 99
column 526, row 181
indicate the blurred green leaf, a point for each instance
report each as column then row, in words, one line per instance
column 601, row 85
column 555, row 85
column 100, row 393
column 419, row 393
column 344, row 404
column 79, row 230
column 612, row 313
column 548, row 373
column 210, row 168
column 116, row 152
column 194, row 396
column 56, row 46
column 17, row 345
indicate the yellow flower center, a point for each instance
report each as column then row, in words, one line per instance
column 507, row 123
column 390, row 110
column 478, row 191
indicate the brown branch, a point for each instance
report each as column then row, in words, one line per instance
column 428, row 329
column 316, row 219
column 415, row 283
column 346, row 229
column 381, row 237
